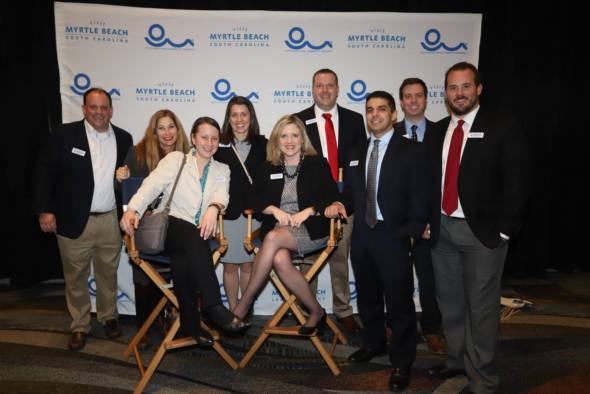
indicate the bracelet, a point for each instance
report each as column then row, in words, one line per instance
column 216, row 205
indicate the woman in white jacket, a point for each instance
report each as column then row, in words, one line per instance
column 202, row 192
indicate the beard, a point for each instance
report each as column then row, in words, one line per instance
column 470, row 104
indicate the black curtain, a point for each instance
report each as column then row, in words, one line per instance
column 532, row 61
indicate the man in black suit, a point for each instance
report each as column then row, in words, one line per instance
column 413, row 96
column 333, row 131
column 75, row 198
column 480, row 190
column 387, row 186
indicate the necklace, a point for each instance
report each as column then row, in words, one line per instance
column 296, row 172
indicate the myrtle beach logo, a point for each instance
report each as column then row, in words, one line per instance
column 239, row 37
column 165, row 92
column 121, row 296
column 436, row 94
column 352, row 289
column 96, row 31
column 376, row 38
column 82, row 83
column 222, row 92
column 157, row 38
column 299, row 94
column 433, row 43
column 358, row 91
column 297, row 42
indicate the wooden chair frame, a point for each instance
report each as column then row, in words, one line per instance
column 168, row 296
column 289, row 303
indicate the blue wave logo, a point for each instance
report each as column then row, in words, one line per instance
column 358, row 91
column 433, row 43
column 82, row 83
column 157, row 38
column 297, row 41
column 223, row 295
column 222, row 91
column 352, row 289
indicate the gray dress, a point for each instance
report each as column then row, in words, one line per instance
column 290, row 204
column 235, row 230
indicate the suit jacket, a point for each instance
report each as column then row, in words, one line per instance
column 400, row 127
column 239, row 185
column 315, row 188
column 351, row 131
column 493, row 181
column 403, row 191
column 64, row 181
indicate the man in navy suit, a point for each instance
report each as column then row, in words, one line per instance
column 413, row 96
column 75, row 199
column 481, row 186
column 333, row 132
column 387, row 186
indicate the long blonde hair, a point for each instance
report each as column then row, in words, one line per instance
column 148, row 152
column 273, row 151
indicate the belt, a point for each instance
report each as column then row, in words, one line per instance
column 99, row 213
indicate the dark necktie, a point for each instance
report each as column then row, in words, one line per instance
column 371, row 214
column 450, row 200
column 414, row 135
column 332, row 147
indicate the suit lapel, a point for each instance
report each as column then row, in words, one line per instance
column 81, row 142
column 387, row 160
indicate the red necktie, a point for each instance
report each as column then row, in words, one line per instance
column 450, row 200
column 332, row 147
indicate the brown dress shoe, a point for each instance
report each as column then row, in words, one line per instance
column 349, row 324
column 77, row 341
column 112, row 329
column 436, row 343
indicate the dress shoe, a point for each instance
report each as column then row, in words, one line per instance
column 112, row 329
column 399, row 379
column 435, row 343
column 349, row 324
column 204, row 339
column 318, row 329
column 365, row 354
column 224, row 319
column 77, row 341
column 442, row 372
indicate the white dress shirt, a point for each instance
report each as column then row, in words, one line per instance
column 103, row 154
column 321, row 123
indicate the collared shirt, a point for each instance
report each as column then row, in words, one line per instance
column 385, row 138
column 420, row 131
column 103, row 154
column 321, row 122
column 469, row 119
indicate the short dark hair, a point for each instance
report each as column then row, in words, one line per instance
column 324, row 71
column 412, row 81
column 97, row 90
column 461, row 66
column 253, row 129
column 204, row 120
column 384, row 95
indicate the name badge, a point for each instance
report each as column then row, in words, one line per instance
column 475, row 135
column 310, row 121
column 78, row 152
column 276, row 176
column 353, row 163
column 220, row 178
column 224, row 145
column 408, row 136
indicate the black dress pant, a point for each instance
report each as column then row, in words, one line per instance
column 192, row 272
column 430, row 319
column 383, row 270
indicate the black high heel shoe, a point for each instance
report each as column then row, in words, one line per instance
column 318, row 329
column 224, row 319
column 203, row 338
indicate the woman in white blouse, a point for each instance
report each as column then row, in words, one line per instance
column 201, row 193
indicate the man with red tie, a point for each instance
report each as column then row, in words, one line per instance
column 481, row 173
column 334, row 131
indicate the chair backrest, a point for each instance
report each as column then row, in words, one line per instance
column 129, row 187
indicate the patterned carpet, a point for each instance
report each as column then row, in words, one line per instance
column 546, row 350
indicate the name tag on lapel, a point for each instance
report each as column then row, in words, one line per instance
column 78, row 152
column 475, row 135
column 276, row 176
column 310, row 121
column 407, row 136
column 353, row 163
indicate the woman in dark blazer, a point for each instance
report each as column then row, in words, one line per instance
column 243, row 149
column 291, row 188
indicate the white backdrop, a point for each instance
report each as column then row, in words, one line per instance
column 193, row 62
